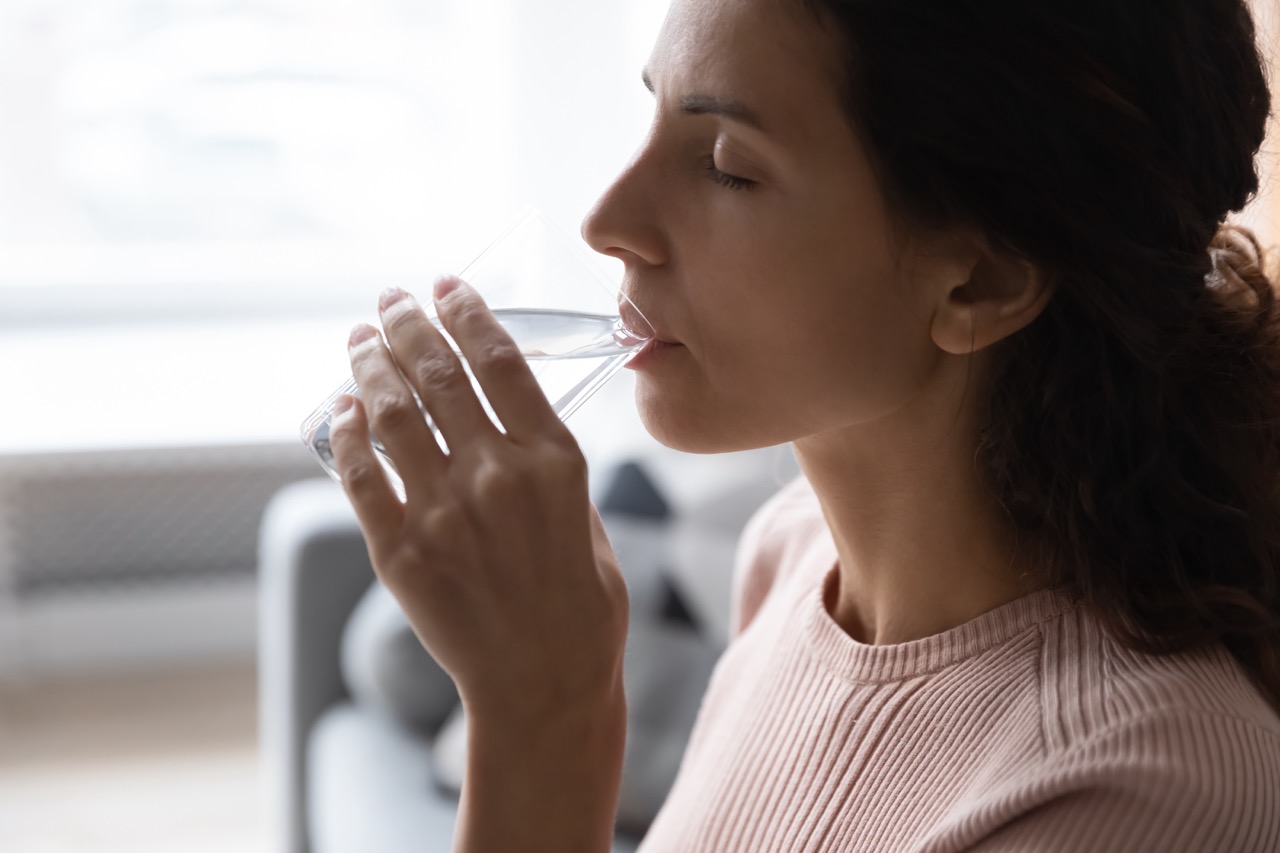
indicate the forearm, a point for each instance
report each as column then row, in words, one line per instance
column 543, row 785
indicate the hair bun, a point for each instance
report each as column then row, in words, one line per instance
column 1239, row 275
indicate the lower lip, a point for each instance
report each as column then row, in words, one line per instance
column 650, row 353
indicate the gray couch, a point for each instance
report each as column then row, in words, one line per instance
column 361, row 734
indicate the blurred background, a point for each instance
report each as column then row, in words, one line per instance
column 198, row 198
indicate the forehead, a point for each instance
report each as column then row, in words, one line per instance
column 770, row 54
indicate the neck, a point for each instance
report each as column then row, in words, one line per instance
column 922, row 544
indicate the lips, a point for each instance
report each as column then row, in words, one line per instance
column 636, row 322
column 651, row 354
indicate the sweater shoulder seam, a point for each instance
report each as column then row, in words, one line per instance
column 1168, row 715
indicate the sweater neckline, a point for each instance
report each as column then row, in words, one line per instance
column 864, row 663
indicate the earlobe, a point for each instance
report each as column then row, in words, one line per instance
column 1002, row 297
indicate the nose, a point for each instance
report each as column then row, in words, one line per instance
column 624, row 221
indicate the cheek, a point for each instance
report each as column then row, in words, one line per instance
column 776, row 387
column 875, row 354
column 849, row 352
column 781, row 346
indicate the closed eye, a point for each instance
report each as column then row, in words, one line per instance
column 724, row 179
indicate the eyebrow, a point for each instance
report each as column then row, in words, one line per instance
column 701, row 105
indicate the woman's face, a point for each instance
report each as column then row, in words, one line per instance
column 754, row 235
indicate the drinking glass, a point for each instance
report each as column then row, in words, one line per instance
column 574, row 327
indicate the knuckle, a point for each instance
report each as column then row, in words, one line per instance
column 552, row 472
column 361, row 477
column 443, row 522
column 501, row 357
column 395, row 413
column 437, row 372
column 465, row 312
column 498, row 482
column 564, row 457
column 439, row 537
column 403, row 569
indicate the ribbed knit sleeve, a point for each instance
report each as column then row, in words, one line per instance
column 1188, row 782
column 1026, row 729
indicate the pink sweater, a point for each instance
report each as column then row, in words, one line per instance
column 1024, row 730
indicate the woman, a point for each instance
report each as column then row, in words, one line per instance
column 969, row 258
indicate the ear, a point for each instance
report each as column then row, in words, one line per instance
column 1002, row 295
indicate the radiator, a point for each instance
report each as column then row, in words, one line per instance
column 128, row 558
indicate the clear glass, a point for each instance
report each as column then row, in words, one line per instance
column 574, row 327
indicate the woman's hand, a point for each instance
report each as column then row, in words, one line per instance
column 496, row 555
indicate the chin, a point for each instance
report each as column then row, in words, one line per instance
column 674, row 425
column 694, row 429
column 683, row 442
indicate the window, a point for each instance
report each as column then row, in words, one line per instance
column 187, row 153
column 199, row 197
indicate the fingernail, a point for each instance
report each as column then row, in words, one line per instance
column 445, row 285
column 390, row 297
column 361, row 333
column 343, row 404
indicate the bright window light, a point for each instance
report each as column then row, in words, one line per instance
column 199, row 197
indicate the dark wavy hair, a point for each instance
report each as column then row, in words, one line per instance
column 1132, row 432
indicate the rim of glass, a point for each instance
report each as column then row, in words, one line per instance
column 586, row 257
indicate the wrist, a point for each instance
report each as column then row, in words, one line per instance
column 583, row 738
column 549, row 778
column 545, row 706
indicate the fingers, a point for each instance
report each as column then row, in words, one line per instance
column 377, row 508
column 496, row 360
column 393, row 413
column 432, row 367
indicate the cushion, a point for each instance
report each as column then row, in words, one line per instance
column 369, row 788
column 632, row 492
column 387, row 669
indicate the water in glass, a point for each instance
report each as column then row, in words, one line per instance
column 570, row 353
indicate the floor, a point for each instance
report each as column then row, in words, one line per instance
column 161, row 761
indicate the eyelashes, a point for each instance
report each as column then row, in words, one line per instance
column 724, row 179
